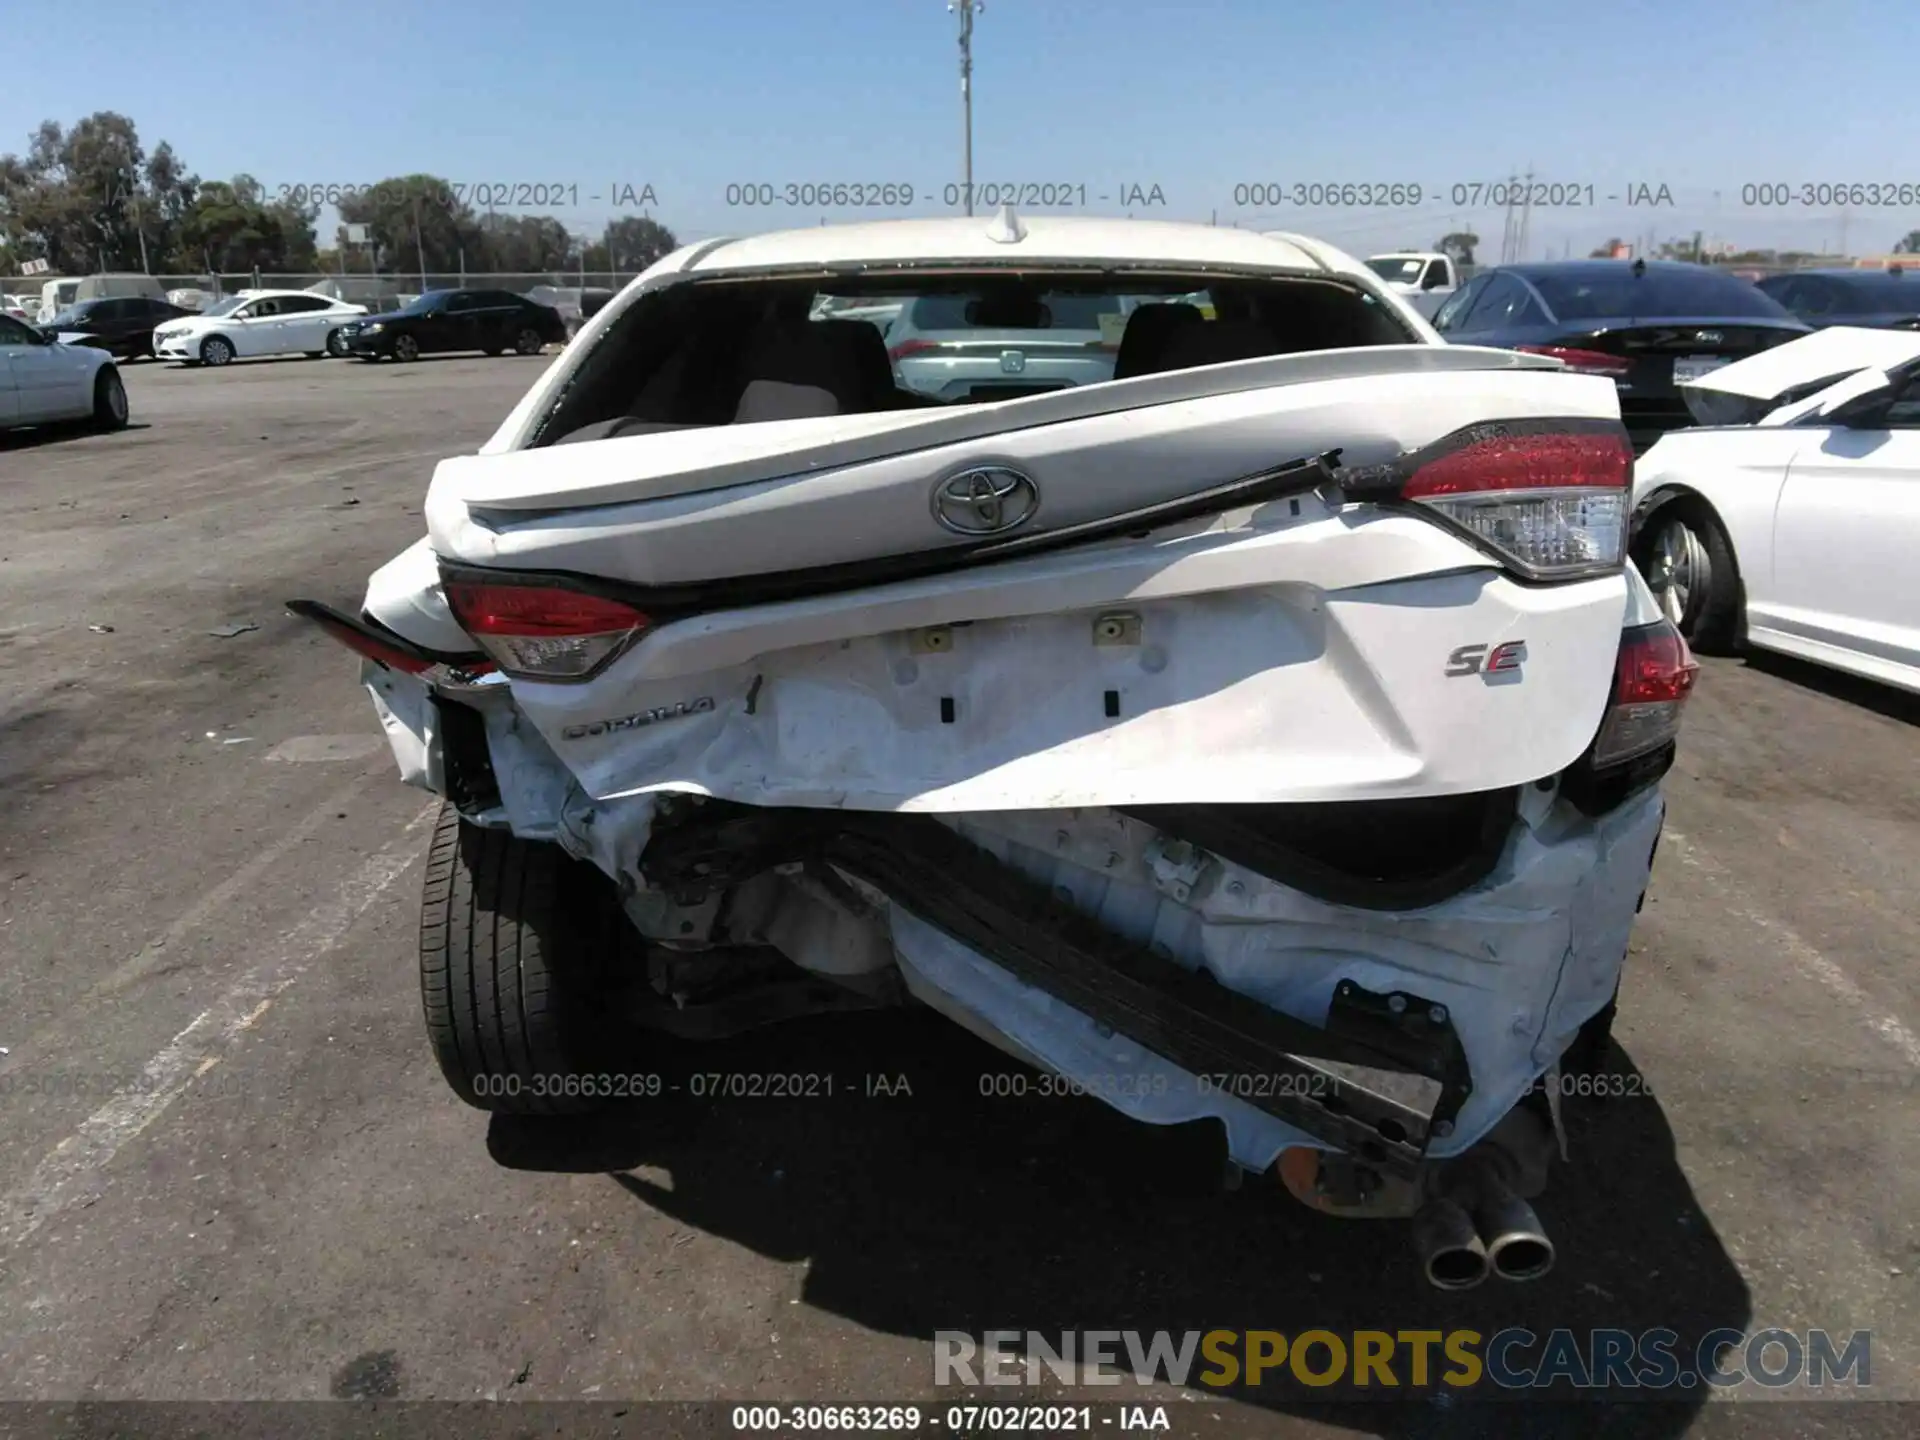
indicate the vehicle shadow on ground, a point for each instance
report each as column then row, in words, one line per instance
column 55, row 434
column 949, row 1210
column 1871, row 695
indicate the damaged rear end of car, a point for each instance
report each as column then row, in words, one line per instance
column 1270, row 734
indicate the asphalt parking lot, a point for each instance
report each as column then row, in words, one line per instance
column 210, row 878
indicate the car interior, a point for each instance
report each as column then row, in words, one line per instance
column 741, row 352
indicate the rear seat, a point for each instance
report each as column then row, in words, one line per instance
column 1149, row 330
column 816, row 367
column 1218, row 342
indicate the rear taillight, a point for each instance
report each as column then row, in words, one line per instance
column 1583, row 362
column 1652, row 678
column 541, row 631
column 1548, row 497
column 911, row 347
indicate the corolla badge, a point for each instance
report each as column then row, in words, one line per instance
column 985, row 500
column 636, row 721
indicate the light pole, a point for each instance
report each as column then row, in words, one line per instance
column 967, row 9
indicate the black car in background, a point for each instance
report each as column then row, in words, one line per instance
column 1647, row 326
column 445, row 321
column 1874, row 299
column 123, row 325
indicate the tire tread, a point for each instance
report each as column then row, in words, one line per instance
column 511, row 960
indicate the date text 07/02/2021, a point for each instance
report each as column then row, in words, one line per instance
column 478, row 195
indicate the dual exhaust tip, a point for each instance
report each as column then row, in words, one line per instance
column 1500, row 1235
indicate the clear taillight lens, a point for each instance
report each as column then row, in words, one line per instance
column 1653, row 676
column 544, row 631
column 1548, row 497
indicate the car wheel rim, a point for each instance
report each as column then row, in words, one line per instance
column 404, row 348
column 529, row 342
column 117, row 400
column 217, row 353
column 1678, row 571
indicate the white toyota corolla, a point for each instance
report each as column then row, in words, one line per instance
column 1263, row 727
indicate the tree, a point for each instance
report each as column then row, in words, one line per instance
column 417, row 222
column 231, row 226
column 629, row 245
column 169, row 196
column 1458, row 246
column 523, row 244
column 74, row 198
column 1909, row 245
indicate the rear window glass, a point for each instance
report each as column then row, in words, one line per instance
column 753, row 350
column 1600, row 295
column 1881, row 291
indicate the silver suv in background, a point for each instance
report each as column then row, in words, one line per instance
column 987, row 345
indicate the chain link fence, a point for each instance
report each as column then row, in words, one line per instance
column 358, row 287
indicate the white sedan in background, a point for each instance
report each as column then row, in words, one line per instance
column 258, row 322
column 1791, row 520
column 43, row 382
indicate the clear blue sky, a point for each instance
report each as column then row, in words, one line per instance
column 1195, row 96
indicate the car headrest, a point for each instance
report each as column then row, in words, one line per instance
column 1149, row 329
column 815, row 367
column 1218, row 342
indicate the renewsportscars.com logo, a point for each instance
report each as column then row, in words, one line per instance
column 1378, row 1360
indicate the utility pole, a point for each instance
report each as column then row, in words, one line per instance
column 1526, row 217
column 967, row 9
column 1510, row 231
column 419, row 245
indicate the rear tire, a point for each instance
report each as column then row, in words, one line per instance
column 336, row 344
column 1689, row 564
column 109, row 400
column 518, row 943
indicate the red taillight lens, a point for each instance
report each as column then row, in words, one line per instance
column 1652, row 678
column 1584, row 362
column 1544, row 460
column 911, row 347
column 544, row 632
column 1549, row 498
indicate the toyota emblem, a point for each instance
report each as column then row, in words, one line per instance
column 985, row 500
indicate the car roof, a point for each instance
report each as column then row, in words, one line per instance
column 1529, row 269
column 1853, row 272
column 1047, row 240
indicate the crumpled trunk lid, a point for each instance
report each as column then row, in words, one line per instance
column 1292, row 650
column 707, row 504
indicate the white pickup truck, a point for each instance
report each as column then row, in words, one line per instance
column 1423, row 278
